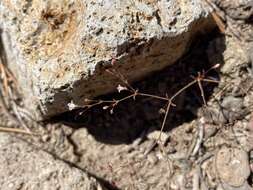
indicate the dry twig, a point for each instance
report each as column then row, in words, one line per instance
column 8, row 93
column 14, row 130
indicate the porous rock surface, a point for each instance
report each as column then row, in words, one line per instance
column 59, row 49
column 24, row 167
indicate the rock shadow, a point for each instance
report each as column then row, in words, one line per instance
column 133, row 117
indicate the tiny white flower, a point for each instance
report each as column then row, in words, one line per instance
column 121, row 88
column 71, row 105
column 216, row 66
column 105, row 107
column 202, row 120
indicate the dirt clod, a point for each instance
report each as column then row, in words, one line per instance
column 232, row 166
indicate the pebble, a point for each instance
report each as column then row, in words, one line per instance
column 224, row 186
column 232, row 166
column 155, row 135
column 152, row 159
column 233, row 108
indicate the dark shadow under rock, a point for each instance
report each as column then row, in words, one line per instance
column 132, row 118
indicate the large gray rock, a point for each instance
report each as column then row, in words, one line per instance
column 24, row 167
column 59, row 49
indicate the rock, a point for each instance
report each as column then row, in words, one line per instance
column 232, row 108
column 60, row 50
column 245, row 186
column 79, row 139
column 228, row 53
column 158, row 135
column 238, row 10
column 25, row 167
column 232, row 166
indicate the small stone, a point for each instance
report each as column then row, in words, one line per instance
column 210, row 130
column 245, row 186
column 232, row 108
column 232, row 166
column 237, row 9
column 152, row 158
column 45, row 138
column 79, row 138
column 156, row 134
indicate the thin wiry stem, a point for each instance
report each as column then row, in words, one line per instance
column 210, row 80
column 170, row 103
column 14, row 130
column 183, row 89
column 200, row 78
column 153, row 96
column 202, row 92
column 164, row 119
